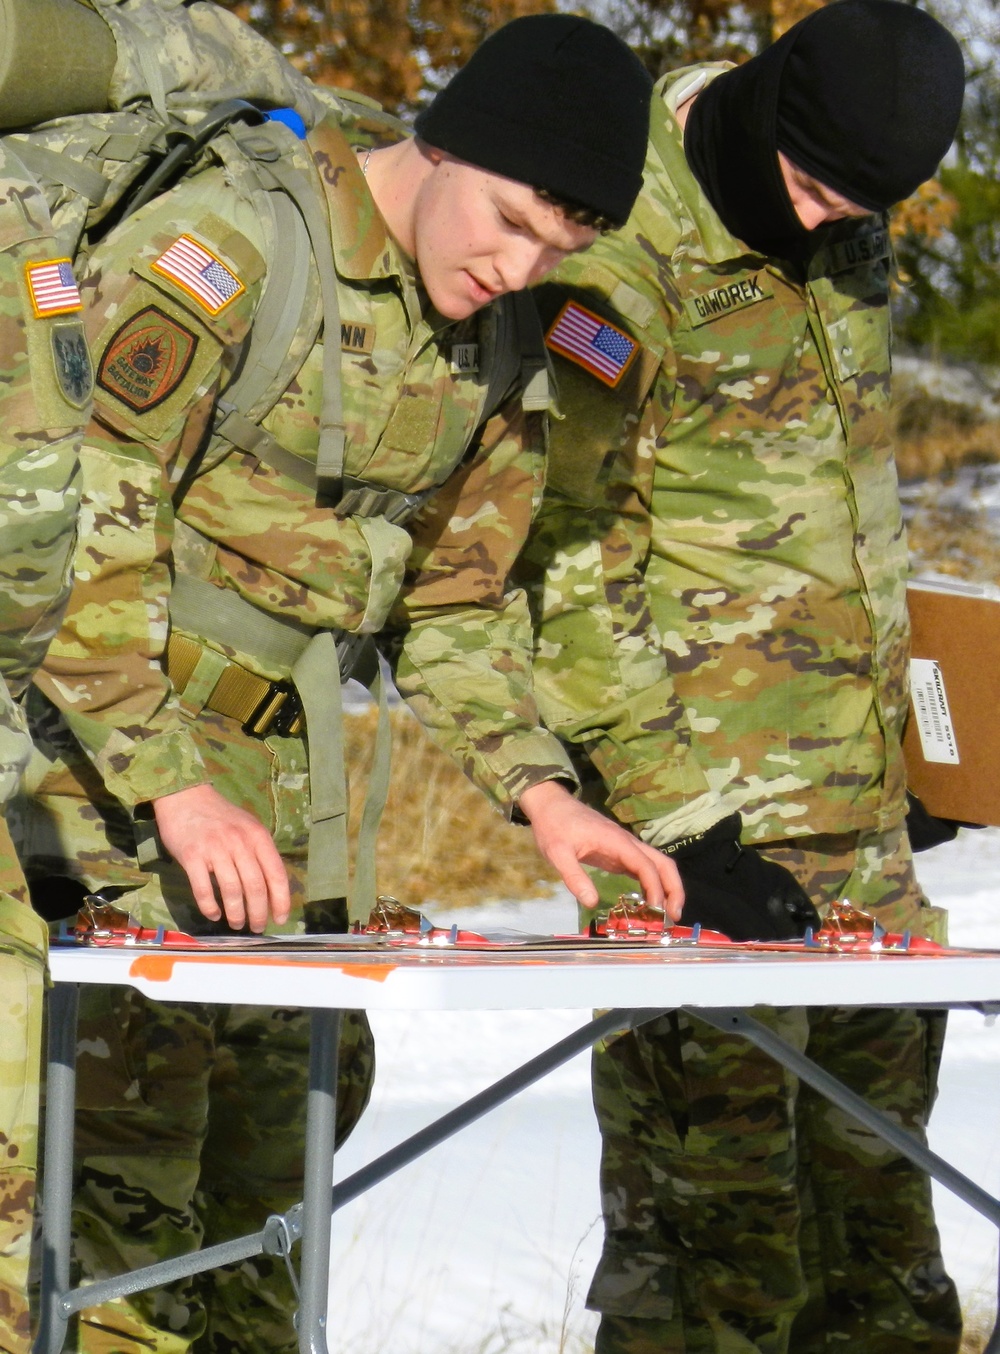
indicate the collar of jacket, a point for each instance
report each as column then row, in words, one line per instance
column 669, row 167
column 363, row 249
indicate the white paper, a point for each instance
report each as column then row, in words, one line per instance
column 930, row 708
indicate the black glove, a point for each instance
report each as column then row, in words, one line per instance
column 731, row 888
column 925, row 829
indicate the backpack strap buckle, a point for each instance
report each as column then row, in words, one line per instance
column 279, row 711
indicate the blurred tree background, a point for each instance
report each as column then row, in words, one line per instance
column 947, row 236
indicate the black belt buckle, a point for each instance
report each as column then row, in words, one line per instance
column 278, row 711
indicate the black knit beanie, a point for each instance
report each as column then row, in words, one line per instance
column 864, row 95
column 554, row 101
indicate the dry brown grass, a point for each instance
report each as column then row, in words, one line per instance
column 979, row 1316
column 934, row 439
column 953, row 542
column 440, row 840
column 934, row 436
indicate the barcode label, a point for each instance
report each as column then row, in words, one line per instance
column 930, row 707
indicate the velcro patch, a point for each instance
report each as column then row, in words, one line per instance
column 52, row 288
column 146, row 359
column 592, row 343
column 731, row 296
column 200, row 273
column 870, row 246
column 357, row 338
column 71, row 361
column 464, row 359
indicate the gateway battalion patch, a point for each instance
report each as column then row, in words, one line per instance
column 71, row 360
column 146, row 359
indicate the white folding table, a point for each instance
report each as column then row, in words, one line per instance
column 632, row 984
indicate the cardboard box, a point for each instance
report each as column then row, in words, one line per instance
column 952, row 741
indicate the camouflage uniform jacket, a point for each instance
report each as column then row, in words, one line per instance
column 174, row 292
column 741, row 461
column 44, row 403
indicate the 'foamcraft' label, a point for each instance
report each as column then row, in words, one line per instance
column 930, row 706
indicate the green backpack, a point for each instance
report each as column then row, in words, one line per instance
column 125, row 101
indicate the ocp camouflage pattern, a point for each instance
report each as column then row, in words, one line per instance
column 746, row 1212
column 44, row 401
column 744, row 465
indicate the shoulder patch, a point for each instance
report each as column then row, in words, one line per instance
column 200, row 273
column 146, row 359
column 592, row 343
column 71, row 361
column 52, row 288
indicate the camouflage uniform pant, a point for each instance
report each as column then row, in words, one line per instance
column 22, row 978
column 744, row 1212
column 191, row 1118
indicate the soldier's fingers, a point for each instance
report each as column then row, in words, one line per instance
column 265, row 879
column 254, row 889
column 576, row 879
column 648, row 878
column 660, row 882
column 227, row 881
column 276, row 880
column 201, row 887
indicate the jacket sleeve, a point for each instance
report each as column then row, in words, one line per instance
column 601, row 677
column 165, row 345
column 157, row 365
column 461, row 633
column 45, row 395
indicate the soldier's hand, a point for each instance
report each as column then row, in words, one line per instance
column 569, row 835
column 732, row 888
column 213, row 840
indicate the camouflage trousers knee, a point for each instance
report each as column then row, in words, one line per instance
column 743, row 1212
column 22, row 976
column 190, row 1131
column 191, row 1118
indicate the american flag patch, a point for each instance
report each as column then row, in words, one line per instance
column 592, row 343
column 53, row 288
column 198, row 272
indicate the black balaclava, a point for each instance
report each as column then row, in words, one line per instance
column 863, row 95
column 555, row 101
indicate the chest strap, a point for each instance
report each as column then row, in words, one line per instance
column 305, row 194
column 200, row 608
column 358, row 498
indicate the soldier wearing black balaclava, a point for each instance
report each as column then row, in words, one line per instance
column 718, row 574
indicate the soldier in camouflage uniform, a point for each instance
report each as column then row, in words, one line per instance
column 44, row 402
column 718, row 574
column 219, row 559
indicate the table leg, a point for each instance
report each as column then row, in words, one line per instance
column 60, row 1104
column 728, row 1019
column 611, row 1022
column 314, row 1268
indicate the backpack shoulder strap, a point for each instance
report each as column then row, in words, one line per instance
column 518, row 357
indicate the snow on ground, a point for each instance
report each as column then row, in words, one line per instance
column 488, row 1243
